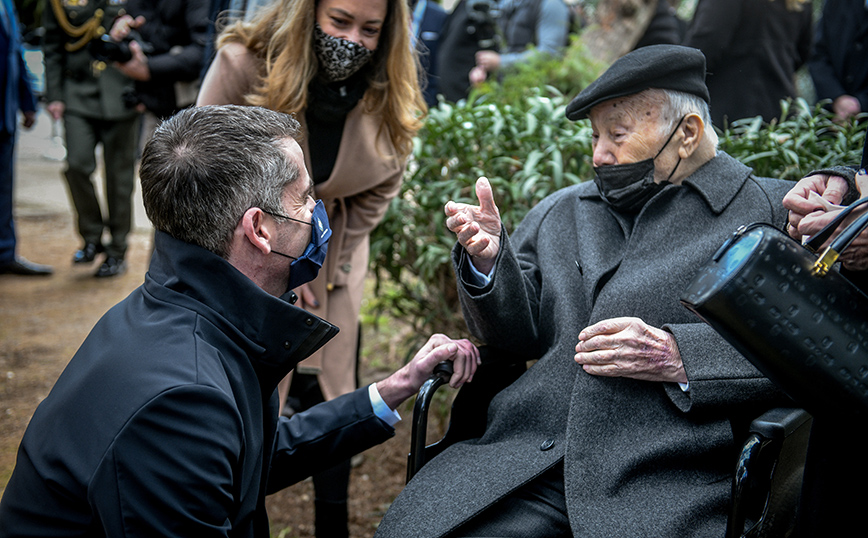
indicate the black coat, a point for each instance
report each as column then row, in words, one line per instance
column 640, row 458
column 753, row 49
column 429, row 45
column 165, row 421
column 839, row 63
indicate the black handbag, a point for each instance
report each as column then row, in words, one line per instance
column 790, row 313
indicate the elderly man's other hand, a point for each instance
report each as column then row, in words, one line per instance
column 813, row 196
column 406, row 382
column 629, row 347
column 477, row 227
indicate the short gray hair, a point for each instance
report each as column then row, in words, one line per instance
column 205, row 166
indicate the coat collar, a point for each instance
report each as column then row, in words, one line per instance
column 708, row 181
column 274, row 334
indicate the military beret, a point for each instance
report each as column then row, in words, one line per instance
column 665, row 67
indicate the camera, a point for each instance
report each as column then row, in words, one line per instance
column 483, row 11
column 482, row 18
column 108, row 50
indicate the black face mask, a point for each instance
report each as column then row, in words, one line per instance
column 620, row 188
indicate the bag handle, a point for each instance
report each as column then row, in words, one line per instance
column 829, row 256
column 823, row 235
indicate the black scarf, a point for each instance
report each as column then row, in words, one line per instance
column 328, row 106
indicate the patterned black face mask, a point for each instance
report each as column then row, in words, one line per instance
column 627, row 187
column 338, row 58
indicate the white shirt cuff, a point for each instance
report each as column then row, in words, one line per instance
column 478, row 278
column 684, row 386
column 382, row 410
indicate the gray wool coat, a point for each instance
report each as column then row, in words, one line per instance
column 640, row 458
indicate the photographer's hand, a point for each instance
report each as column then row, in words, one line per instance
column 137, row 68
column 488, row 60
column 122, row 26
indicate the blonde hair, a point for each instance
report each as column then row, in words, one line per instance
column 281, row 35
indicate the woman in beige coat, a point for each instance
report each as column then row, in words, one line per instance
column 348, row 71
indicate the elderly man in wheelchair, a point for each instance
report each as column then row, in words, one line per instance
column 630, row 419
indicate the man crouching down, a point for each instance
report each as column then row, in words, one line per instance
column 165, row 422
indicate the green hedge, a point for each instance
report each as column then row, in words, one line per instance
column 528, row 150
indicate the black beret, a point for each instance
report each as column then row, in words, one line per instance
column 665, row 67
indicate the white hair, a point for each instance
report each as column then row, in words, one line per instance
column 675, row 105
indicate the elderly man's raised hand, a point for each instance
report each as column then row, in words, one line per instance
column 629, row 347
column 477, row 226
column 406, row 382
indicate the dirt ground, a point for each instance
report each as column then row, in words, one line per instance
column 44, row 320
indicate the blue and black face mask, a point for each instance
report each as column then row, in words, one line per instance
column 306, row 267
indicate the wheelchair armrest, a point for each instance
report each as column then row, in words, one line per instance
column 469, row 409
column 768, row 475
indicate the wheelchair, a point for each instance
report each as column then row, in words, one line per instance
column 767, row 476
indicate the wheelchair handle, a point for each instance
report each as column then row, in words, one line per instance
column 444, row 370
column 416, row 459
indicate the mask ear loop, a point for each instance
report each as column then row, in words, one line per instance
column 675, row 130
column 278, row 215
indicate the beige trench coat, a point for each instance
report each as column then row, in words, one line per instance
column 365, row 178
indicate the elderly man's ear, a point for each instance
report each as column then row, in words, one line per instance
column 692, row 130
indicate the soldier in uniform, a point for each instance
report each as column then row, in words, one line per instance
column 94, row 100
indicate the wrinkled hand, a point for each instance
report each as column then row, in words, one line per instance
column 812, row 198
column 137, row 68
column 477, row 227
column 629, row 347
column 406, row 382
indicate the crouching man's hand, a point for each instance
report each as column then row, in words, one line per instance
column 406, row 382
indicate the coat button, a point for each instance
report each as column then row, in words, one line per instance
column 547, row 444
column 347, row 267
column 308, row 322
column 330, row 287
column 287, row 345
